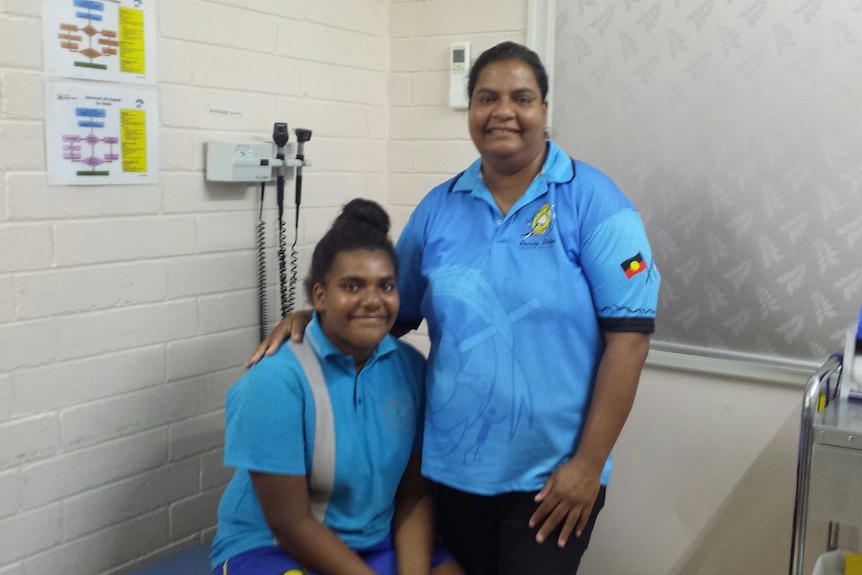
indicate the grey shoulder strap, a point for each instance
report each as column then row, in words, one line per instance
column 322, row 476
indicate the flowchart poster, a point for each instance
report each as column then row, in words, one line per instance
column 100, row 134
column 108, row 40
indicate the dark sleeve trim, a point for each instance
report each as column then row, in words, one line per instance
column 618, row 324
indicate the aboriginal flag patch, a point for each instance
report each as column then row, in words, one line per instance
column 633, row 266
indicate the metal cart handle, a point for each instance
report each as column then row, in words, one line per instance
column 810, row 405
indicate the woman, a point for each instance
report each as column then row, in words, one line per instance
column 324, row 435
column 536, row 279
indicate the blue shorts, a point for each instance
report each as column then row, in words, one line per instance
column 274, row 561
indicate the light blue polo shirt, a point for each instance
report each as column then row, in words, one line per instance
column 270, row 426
column 516, row 307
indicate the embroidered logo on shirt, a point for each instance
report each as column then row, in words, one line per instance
column 633, row 266
column 541, row 222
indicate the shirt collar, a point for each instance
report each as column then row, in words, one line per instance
column 324, row 348
column 558, row 168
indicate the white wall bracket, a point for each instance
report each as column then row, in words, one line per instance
column 245, row 162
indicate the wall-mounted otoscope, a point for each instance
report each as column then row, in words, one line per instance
column 302, row 136
column 280, row 135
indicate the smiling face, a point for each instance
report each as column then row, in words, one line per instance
column 358, row 303
column 507, row 115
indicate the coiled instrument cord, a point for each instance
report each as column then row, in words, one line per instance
column 263, row 320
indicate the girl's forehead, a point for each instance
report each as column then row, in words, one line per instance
column 365, row 261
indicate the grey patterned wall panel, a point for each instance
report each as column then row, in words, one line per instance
column 736, row 127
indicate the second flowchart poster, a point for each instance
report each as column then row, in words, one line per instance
column 99, row 134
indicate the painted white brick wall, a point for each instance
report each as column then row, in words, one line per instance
column 7, row 300
column 21, row 145
column 91, row 468
column 22, row 95
column 25, row 343
column 30, row 532
column 11, row 500
column 28, row 439
column 129, row 498
column 3, row 194
column 93, row 422
column 428, row 141
column 126, row 312
column 70, row 290
column 124, row 328
column 66, row 384
column 26, row 246
column 194, row 514
column 6, row 400
column 120, row 545
column 31, row 198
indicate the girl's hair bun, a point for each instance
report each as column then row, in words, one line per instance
column 366, row 212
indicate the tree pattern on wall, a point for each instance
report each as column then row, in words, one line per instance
column 736, row 128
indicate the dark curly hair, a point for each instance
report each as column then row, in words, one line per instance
column 509, row 51
column 361, row 225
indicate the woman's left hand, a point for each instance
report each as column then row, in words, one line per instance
column 567, row 497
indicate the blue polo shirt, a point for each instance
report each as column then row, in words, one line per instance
column 516, row 306
column 270, row 427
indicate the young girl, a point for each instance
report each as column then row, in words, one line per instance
column 324, row 435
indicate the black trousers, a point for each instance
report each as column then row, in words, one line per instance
column 490, row 535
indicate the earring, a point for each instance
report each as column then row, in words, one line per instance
column 547, row 133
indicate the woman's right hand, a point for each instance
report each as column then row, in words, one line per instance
column 291, row 326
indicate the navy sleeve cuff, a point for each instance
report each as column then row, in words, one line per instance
column 621, row 324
